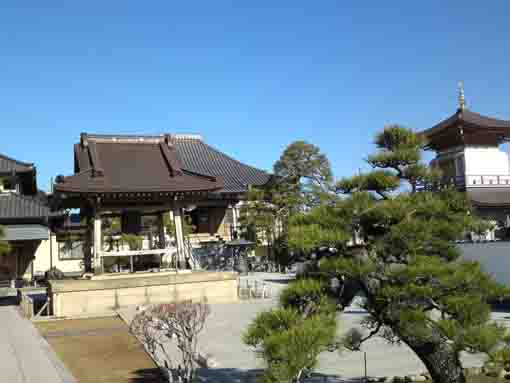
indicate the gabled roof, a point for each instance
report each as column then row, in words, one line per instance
column 9, row 165
column 168, row 163
column 467, row 127
column 132, row 164
column 14, row 207
column 197, row 156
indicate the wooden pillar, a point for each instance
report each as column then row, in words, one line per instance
column 179, row 235
column 87, row 245
column 97, row 243
column 235, row 230
column 17, row 254
column 234, row 216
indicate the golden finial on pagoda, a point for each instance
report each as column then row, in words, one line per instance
column 462, row 100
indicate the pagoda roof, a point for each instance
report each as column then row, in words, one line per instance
column 132, row 164
column 489, row 197
column 465, row 127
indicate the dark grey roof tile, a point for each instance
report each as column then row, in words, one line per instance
column 10, row 165
column 14, row 206
column 197, row 156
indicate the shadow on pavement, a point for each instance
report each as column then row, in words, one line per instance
column 9, row 301
column 228, row 375
column 233, row 375
column 501, row 306
column 279, row 281
column 147, row 375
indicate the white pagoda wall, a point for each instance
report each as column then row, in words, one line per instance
column 488, row 161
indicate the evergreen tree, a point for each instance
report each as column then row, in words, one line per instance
column 302, row 178
column 397, row 247
column 290, row 338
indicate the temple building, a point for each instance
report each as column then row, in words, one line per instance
column 25, row 217
column 130, row 189
column 469, row 152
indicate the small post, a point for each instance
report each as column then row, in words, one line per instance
column 365, row 360
column 131, row 263
column 97, row 243
column 179, row 236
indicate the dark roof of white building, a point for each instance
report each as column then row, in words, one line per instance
column 14, row 207
column 9, row 165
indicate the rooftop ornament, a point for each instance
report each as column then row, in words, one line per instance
column 462, row 100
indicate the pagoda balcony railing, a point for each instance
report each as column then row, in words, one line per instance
column 469, row 181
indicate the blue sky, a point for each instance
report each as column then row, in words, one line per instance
column 249, row 76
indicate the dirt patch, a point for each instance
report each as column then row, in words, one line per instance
column 100, row 350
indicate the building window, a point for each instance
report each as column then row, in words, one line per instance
column 8, row 185
column 69, row 250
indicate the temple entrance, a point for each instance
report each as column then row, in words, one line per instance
column 17, row 263
column 8, row 265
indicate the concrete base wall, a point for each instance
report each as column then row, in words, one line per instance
column 103, row 296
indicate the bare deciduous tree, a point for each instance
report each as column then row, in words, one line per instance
column 160, row 324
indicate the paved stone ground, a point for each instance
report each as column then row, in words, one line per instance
column 221, row 338
column 25, row 357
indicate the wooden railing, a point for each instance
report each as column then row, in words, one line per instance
column 32, row 308
column 468, row 181
column 487, row 180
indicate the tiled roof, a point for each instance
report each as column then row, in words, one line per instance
column 119, row 164
column 497, row 196
column 9, row 165
column 168, row 163
column 470, row 118
column 197, row 156
column 15, row 206
column 466, row 128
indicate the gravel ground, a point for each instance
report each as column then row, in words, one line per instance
column 236, row 362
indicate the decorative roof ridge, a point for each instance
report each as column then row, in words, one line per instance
column 85, row 138
column 61, row 178
column 27, row 164
column 188, row 136
column 172, row 161
column 206, row 176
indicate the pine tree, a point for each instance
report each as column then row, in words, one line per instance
column 291, row 337
column 302, row 179
column 397, row 247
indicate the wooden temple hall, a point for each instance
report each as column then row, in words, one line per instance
column 145, row 202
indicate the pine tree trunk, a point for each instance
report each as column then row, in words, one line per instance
column 441, row 360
